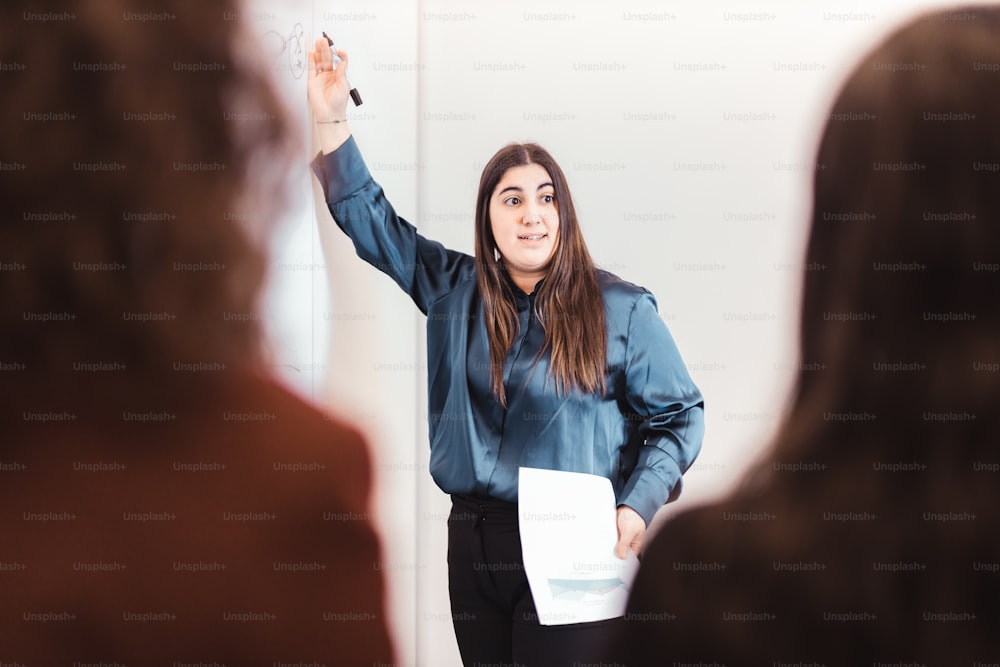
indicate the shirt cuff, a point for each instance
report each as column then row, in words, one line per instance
column 343, row 172
column 647, row 491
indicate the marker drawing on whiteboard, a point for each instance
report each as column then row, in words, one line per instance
column 293, row 44
column 355, row 95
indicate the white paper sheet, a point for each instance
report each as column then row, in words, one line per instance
column 569, row 530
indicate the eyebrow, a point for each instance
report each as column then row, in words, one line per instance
column 515, row 188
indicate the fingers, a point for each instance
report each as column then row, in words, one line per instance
column 316, row 66
column 326, row 55
column 322, row 51
column 321, row 59
column 621, row 549
column 638, row 542
column 625, row 539
column 631, row 531
column 627, row 542
column 341, row 63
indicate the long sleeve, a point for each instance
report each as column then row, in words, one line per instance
column 424, row 269
column 659, row 389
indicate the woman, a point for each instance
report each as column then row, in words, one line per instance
column 867, row 537
column 536, row 358
column 154, row 505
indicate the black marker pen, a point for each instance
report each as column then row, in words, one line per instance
column 355, row 95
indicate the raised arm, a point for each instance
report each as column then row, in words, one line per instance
column 328, row 95
column 424, row 269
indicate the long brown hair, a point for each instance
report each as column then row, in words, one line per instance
column 900, row 303
column 569, row 304
column 888, row 453
column 137, row 146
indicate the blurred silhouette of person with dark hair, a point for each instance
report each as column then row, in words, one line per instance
column 868, row 535
column 162, row 496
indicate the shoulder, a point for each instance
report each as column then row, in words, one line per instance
column 749, row 522
column 238, row 473
column 459, row 297
column 726, row 548
column 278, row 432
column 626, row 303
column 740, row 550
column 720, row 555
column 304, row 425
column 722, row 552
column 618, row 290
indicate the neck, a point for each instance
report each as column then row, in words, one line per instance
column 526, row 281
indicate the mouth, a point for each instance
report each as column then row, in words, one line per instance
column 531, row 237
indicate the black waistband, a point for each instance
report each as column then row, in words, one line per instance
column 490, row 503
column 481, row 508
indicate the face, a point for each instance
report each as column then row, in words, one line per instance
column 525, row 223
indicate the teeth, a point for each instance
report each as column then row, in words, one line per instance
column 533, row 238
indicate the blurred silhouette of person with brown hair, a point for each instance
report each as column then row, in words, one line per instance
column 162, row 496
column 867, row 536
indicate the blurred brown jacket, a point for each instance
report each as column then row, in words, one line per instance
column 223, row 528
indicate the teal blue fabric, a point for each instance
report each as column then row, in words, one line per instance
column 642, row 434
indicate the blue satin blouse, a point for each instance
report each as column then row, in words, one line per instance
column 642, row 434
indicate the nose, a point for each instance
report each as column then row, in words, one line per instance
column 532, row 218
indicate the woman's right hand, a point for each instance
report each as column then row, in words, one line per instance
column 328, row 94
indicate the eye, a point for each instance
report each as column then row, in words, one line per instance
column 549, row 198
column 512, row 201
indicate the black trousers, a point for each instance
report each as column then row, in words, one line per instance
column 492, row 610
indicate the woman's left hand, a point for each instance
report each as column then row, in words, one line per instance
column 631, row 531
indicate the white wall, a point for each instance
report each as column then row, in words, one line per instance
column 687, row 132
